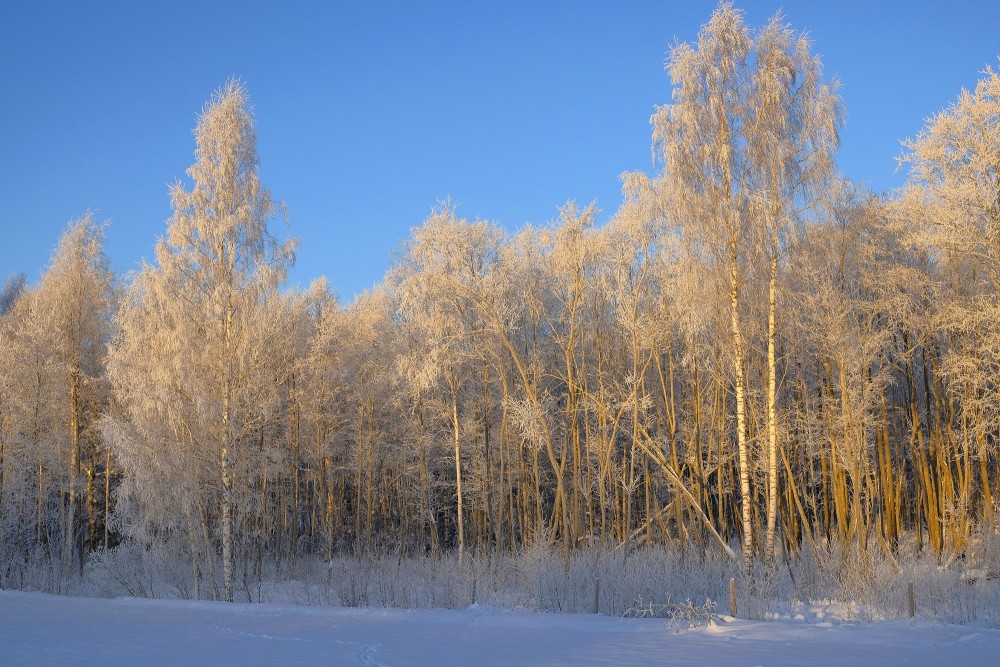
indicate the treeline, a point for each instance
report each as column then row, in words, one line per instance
column 750, row 351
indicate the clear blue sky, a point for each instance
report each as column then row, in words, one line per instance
column 368, row 113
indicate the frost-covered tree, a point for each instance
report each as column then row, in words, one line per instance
column 839, row 312
column 745, row 144
column 950, row 209
column 53, row 392
column 188, row 362
column 32, row 433
column 439, row 280
column 954, row 178
column 76, row 294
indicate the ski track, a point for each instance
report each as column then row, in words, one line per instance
column 366, row 655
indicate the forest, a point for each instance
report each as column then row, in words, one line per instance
column 751, row 363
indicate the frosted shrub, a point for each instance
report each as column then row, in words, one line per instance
column 36, row 570
column 984, row 556
column 759, row 587
column 684, row 585
column 531, row 562
column 137, row 570
column 123, row 570
column 536, row 578
column 653, row 575
column 683, row 616
column 947, row 592
column 866, row 576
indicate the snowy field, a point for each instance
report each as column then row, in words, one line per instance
column 37, row 629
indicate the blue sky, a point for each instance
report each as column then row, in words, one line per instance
column 368, row 113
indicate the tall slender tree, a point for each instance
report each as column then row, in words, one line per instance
column 216, row 268
column 76, row 296
column 745, row 144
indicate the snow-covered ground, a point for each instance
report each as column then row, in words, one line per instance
column 38, row 629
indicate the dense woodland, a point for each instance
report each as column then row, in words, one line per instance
column 750, row 357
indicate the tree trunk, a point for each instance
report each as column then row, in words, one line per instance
column 458, row 467
column 71, row 529
column 772, row 419
column 741, row 427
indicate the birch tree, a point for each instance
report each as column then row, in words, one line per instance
column 744, row 144
column 215, row 268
